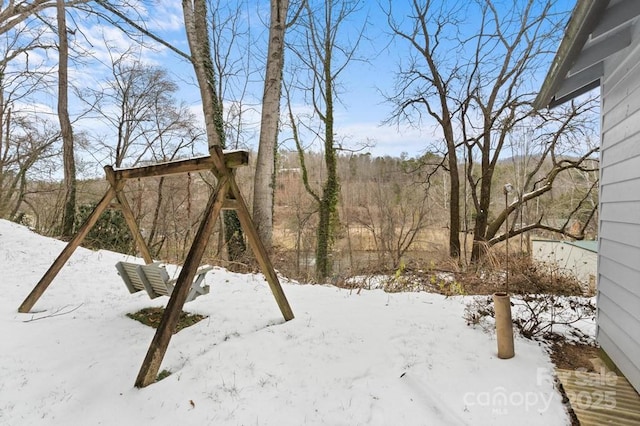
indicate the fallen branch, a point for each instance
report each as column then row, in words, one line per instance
column 57, row 313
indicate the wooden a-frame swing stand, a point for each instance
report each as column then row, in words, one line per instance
column 225, row 196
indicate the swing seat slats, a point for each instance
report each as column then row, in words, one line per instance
column 154, row 279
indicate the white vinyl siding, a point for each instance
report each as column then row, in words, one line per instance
column 619, row 233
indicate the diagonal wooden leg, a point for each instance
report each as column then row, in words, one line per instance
column 259, row 251
column 157, row 349
column 62, row 258
column 129, row 217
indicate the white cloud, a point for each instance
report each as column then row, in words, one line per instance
column 40, row 109
column 167, row 16
column 387, row 139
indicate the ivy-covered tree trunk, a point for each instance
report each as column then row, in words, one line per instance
column 329, row 202
column 233, row 235
column 327, row 225
column 195, row 13
column 323, row 57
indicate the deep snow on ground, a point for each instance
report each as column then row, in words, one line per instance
column 346, row 359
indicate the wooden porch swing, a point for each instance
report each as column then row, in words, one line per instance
column 225, row 196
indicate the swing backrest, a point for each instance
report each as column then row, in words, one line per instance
column 129, row 273
column 157, row 278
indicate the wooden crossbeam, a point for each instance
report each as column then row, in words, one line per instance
column 232, row 159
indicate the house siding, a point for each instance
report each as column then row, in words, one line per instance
column 619, row 234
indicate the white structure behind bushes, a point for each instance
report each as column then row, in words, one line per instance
column 578, row 259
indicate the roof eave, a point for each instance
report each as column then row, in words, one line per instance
column 583, row 19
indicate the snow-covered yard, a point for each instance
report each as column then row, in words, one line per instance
column 346, row 359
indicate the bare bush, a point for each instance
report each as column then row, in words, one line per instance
column 537, row 316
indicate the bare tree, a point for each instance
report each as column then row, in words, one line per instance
column 25, row 144
column 395, row 211
column 138, row 105
column 131, row 105
column 17, row 12
column 561, row 148
column 26, row 138
column 231, row 56
column 430, row 84
column 323, row 57
column 475, row 82
column 175, row 136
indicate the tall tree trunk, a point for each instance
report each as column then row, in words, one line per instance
column 482, row 215
column 156, row 218
column 480, row 227
column 454, row 175
column 454, row 203
column 69, row 208
column 195, row 16
column 264, row 180
column 233, row 235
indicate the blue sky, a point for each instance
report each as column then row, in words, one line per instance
column 362, row 109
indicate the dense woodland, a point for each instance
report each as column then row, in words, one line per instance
column 492, row 169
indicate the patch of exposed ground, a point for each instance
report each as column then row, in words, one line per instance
column 152, row 316
column 572, row 356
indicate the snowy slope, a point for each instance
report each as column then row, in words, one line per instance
column 346, row 359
